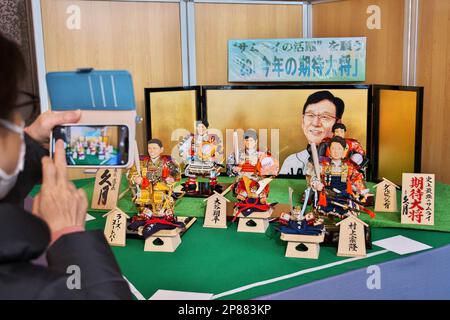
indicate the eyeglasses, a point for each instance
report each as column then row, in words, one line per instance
column 28, row 105
column 323, row 118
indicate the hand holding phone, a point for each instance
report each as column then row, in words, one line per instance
column 59, row 202
column 94, row 145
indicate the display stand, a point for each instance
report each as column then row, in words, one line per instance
column 163, row 241
column 257, row 222
column 302, row 246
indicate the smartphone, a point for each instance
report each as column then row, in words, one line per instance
column 93, row 145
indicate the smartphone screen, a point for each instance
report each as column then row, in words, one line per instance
column 92, row 145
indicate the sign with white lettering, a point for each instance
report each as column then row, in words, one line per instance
column 299, row 59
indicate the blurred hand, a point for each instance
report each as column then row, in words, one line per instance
column 317, row 185
column 41, row 128
column 138, row 180
column 170, row 180
column 237, row 169
column 59, row 203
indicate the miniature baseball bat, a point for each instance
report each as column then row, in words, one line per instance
column 315, row 157
column 136, row 158
column 291, row 202
column 236, row 147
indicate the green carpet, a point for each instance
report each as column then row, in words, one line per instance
column 218, row 260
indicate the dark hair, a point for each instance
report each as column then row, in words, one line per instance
column 339, row 126
column 202, row 121
column 12, row 70
column 326, row 95
column 250, row 133
column 339, row 140
column 155, row 141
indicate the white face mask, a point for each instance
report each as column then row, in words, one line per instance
column 7, row 181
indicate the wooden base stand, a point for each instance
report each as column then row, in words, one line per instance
column 302, row 246
column 257, row 222
column 253, row 225
column 163, row 241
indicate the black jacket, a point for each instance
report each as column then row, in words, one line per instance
column 24, row 237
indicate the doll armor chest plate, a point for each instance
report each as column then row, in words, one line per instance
column 332, row 171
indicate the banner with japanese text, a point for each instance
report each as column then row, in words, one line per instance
column 418, row 198
column 302, row 59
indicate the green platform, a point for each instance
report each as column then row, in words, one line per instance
column 218, row 261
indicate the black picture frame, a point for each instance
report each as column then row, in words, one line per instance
column 376, row 88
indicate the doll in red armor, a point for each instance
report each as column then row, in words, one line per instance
column 353, row 150
column 340, row 184
column 252, row 169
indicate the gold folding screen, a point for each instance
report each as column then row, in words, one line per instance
column 397, row 131
column 171, row 115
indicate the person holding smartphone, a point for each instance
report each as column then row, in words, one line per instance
column 80, row 263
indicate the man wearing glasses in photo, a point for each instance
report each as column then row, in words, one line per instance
column 320, row 112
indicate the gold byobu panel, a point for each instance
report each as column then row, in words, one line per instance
column 172, row 110
column 397, row 134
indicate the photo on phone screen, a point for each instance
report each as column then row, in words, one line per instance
column 91, row 145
